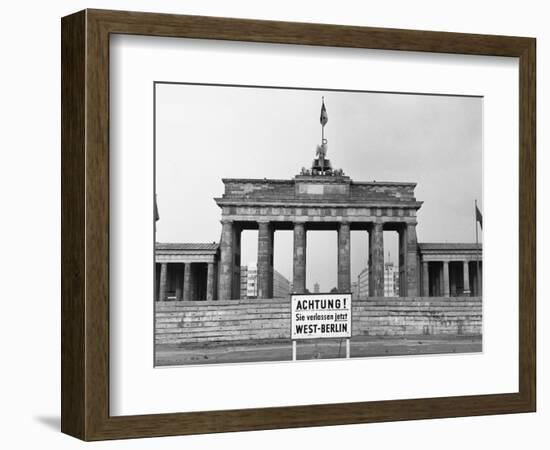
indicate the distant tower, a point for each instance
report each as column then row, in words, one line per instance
column 316, row 288
column 391, row 279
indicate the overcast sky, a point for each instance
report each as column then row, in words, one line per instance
column 206, row 133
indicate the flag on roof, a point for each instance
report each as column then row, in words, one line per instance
column 479, row 217
column 324, row 115
column 157, row 217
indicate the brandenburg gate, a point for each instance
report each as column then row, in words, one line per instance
column 317, row 199
column 320, row 198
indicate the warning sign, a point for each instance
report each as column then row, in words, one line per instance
column 321, row 316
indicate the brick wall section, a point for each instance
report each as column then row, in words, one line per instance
column 192, row 322
column 212, row 321
column 417, row 316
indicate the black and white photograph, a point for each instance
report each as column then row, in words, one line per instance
column 302, row 224
column 251, row 225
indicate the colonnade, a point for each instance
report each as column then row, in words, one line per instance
column 230, row 256
column 450, row 278
column 187, row 279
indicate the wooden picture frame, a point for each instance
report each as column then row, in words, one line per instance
column 85, row 224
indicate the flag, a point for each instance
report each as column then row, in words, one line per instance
column 324, row 115
column 479, row 217
column 156, row 212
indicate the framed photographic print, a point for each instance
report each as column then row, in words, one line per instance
column 311, row 224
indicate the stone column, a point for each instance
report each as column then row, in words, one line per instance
column 237, row 231
column 215, row 285
column 179, row 282
column 441, row 289
column 265, row 260
column 210, row 281
column 376, row 261
column 479, row 272
column 225, row 285
column 187, row 283
column 412, row 261
column 475, row 283
column 156, row 285
column 402, row 245
column 344, row 260
column 299, row 272
column 446, row 286
column 163, row 281
column 466, row 273
column 425, row 279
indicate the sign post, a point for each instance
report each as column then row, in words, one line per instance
column 319, row 316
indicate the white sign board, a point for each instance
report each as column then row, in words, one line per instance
column 315, row 316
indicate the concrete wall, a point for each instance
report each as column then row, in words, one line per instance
column 229, row 320
column 195, row 322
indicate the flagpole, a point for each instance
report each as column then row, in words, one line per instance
column 478, row 281
column 322, row 126
column 475, row 218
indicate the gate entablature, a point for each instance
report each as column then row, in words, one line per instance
column 340, row 188
column 318, row 199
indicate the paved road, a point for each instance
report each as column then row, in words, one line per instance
column 175, row 355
